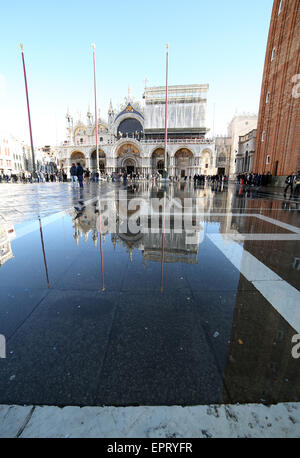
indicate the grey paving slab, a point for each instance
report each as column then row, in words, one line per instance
column 16, row 305
column 158, row 354
column 56, row 356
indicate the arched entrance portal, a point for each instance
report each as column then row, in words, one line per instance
column 207, row 161
column 129, row 165
column 158, row 163
column 102, row 161
column 128, row 158
column 184, row 162
column 78, row 156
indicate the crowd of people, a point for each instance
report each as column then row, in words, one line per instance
column 35, row 177
column 80, row 176
column 255, row 179
column 292, row 182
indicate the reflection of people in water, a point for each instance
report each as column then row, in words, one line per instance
column 133, row 188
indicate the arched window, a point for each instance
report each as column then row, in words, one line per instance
column 131, row 127
column 273, row 54
column 280, row 7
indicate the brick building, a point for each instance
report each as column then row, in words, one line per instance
column 278, row 133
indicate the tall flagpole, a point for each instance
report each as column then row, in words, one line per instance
column 28, row 109
column 96, row 114
column 166, row 119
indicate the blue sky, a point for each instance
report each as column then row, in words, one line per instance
column 219, row 42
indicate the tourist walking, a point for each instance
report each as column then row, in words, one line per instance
column 289, row 184
column 87, row 175
column 73, row 173
column 79, row 173
column 297, row 185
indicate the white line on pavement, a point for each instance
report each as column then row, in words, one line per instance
column 280, row 294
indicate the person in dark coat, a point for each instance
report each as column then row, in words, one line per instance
column 297, row 184
column 79, row 173
column 290, row 180
column 73, row 173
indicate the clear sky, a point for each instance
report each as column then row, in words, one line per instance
column 219, row 42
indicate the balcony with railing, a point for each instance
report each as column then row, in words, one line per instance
column 171, row 141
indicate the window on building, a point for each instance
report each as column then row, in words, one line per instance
column 280, row 7
column 263, row 137
column 268, row 160
column 267, row 97
column 273, row 54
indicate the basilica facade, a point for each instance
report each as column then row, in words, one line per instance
column 132, row 138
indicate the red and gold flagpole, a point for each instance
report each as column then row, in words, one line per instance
column 166, row 117
column 96, row 114
column 28, row 109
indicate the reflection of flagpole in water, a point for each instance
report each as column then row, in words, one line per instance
column 43, row 248
column 101, row 249
column 166, row 119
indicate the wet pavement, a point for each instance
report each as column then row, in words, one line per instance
column 106, row 299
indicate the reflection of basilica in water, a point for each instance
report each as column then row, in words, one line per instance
column 178, row 243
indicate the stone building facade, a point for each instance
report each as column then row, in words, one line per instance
column 132, row 139
column 246, row 152
column 16, row 157
column 278, row 132
column 240, row 125
column 12, row 155
column 223, row 155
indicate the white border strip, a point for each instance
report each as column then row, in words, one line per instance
column 208, row 421
column 280, row 294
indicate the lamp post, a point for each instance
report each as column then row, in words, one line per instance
column 96, row 114
column 28, row 110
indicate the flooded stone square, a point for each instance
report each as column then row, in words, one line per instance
column 134, row 295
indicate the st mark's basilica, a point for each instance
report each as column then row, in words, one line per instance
column 132, row 139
